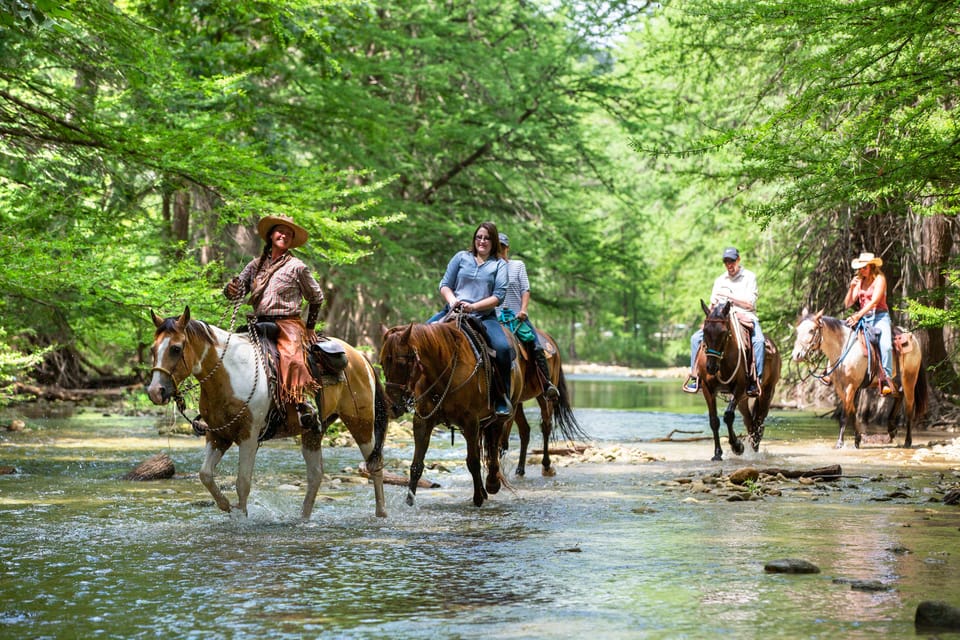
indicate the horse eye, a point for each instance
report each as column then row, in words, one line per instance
column 175, row 349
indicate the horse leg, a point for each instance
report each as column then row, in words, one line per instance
column 908, row 378
column 747, row 415
column 421, row 441
column 728, row 418
column 247, row 453
column 310, row 448
column 504, row 446
column 214, row 453
column 714, row 423
column 546, row 428
column 491, row 435
column 523, row 430
column 472, row 435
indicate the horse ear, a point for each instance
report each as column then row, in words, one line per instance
column 726, row 307
column 383, row 330
column 157, row 320
column 819, row 314
column 805, row 311
column 703, row 305
column 184, row 319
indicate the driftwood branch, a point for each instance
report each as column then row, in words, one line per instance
column 156, row 467
column 831, row 472
column 572, row 450
column 402, row 481
column 669, row 437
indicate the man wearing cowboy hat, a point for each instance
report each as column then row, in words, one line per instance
column 278, row 282
column 868, row 289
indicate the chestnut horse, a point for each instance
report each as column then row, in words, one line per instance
column 849, row 372
column 235, row 402
column 434, row 370
column 559, row 412
column 722, row 367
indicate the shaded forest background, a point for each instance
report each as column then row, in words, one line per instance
column 620, row 144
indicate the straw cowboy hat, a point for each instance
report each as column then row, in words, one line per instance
column 267, row 223
column 866, row 258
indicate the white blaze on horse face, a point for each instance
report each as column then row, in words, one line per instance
column 804, row 341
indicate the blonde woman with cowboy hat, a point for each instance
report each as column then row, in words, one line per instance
column 868, row 289
column 278, row 282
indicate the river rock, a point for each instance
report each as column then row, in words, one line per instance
column 16, row 425
column 952, row 497
column 790, row 565
column 936, row 615
column 744, row 475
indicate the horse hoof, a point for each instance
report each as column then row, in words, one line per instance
column 520, row 472
column 549, row 472
column 477, row 501
column 409, row 499
column 717, row 458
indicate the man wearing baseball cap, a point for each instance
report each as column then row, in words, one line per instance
column 739, row 286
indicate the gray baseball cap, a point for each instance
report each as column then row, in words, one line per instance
column 504, row 240
column 730, row 253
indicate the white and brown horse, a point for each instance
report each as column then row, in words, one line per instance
column 557, row 414
column 235, row 400
column 849, row 372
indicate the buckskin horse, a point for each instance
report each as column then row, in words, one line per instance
column 435, row 370
column 235, row 402
column 722, row 367
column 849, row 372
column 559, row 413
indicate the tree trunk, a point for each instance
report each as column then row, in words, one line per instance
column 936, row 242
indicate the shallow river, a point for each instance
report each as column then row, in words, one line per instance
column 602, row 550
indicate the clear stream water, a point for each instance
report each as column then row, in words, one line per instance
column 602, row 550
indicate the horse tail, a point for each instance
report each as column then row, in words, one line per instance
column 920, row 393
column 380, row 413
column 563, row 418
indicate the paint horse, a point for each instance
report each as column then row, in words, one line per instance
column 436, row 370
column 235, row 401
column 558, row 413
column 722, row 368
column 849, row 371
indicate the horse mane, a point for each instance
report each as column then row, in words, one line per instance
column 439, row 337
column 194, row 329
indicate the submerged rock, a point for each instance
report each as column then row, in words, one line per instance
column 790, row 565
column 936, row 615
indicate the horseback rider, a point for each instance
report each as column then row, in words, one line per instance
column 868, row 289
column 513, row 313
column 278, row 282
column 475, row 282
column 739, row 286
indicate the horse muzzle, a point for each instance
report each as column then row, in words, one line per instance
column 160, row 390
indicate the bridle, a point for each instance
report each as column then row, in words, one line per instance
column 718, row 355
column 200, row 427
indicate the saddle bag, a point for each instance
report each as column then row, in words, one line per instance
column 329, row 355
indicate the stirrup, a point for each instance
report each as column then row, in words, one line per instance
column 551, row 391
column 504, row 408
column 308, row 417
column 692, row 385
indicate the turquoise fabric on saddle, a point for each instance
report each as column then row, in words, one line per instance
column 520, row 329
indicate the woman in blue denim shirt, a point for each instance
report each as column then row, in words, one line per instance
column 475, row 282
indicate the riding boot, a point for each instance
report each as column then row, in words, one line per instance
column 549, row 390
column 502, row 401
column 753, row 386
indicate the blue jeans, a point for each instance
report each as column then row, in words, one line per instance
column 880, row 322
column 498, row 340
column 758, row 352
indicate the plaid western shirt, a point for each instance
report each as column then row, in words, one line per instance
column 288, row 287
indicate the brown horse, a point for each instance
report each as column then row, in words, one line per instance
column 559, row 412
column 722, row 367
column 849, row 371
column 235, row 403
column 433, row 369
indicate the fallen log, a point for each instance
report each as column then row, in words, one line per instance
column 157, row 467
column 831, row 472
column 572, row 450
column 402, row 481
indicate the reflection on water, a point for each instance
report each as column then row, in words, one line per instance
column 598, row 551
